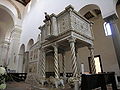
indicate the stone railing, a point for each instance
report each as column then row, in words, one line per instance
column 65, row 21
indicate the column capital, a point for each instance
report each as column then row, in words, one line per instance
column 42, row 49
column 90, row 47
column 71, row 39
column 54, row 45
column 69, row 8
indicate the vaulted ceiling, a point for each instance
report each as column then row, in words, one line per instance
column 24, row 2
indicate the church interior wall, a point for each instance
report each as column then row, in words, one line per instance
column 30, row 25
column 34, row 18
column 103, row 46
column 118, row 12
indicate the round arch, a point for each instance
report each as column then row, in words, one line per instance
column 88, row 8
column 6, row 25
column 21, row 59
column 22, row 49
column 30, row 43
column 7, row 6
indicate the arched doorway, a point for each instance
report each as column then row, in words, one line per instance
column 21, row 59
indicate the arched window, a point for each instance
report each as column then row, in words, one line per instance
column 107, row 29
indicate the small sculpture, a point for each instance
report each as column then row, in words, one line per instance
column 47, row 17
column 56, row 81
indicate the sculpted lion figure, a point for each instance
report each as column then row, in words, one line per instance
column 56, row 81
column 71, row 81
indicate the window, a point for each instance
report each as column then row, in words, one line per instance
column 98, row 64
column 107, row 29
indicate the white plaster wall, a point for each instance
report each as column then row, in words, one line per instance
column 8, row 7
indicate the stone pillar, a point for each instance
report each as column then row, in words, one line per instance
column 92, row 62
column 56, row 68
column 20, row 64
column 48, row 27
column 43, row 58
column 13, row 48
column 26, row 61
column 78, row 62
column 54, row 30
column 73, row 56
column 115, row 34
column 63, row 64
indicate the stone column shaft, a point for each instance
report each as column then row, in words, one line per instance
column 92, row 62
column 77, row 59
column 63, row 64
column 56, row 61
column 73, row 56
column 43, row 62
column 115, row 34
column 116, row 39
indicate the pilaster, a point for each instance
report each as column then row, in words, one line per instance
column 115, row 34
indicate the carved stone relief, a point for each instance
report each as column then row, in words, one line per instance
column 32, row 67
column 80, row 25
column 63, row 23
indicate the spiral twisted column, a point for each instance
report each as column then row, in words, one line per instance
column 43, row 62
column 56, row 68
column 63, row 64
column 73, row 56
column 77, row 60
column 92, row 62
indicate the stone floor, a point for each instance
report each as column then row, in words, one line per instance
column 18, row 86
column 24, row 86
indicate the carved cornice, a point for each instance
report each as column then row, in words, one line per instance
column 64, row 36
